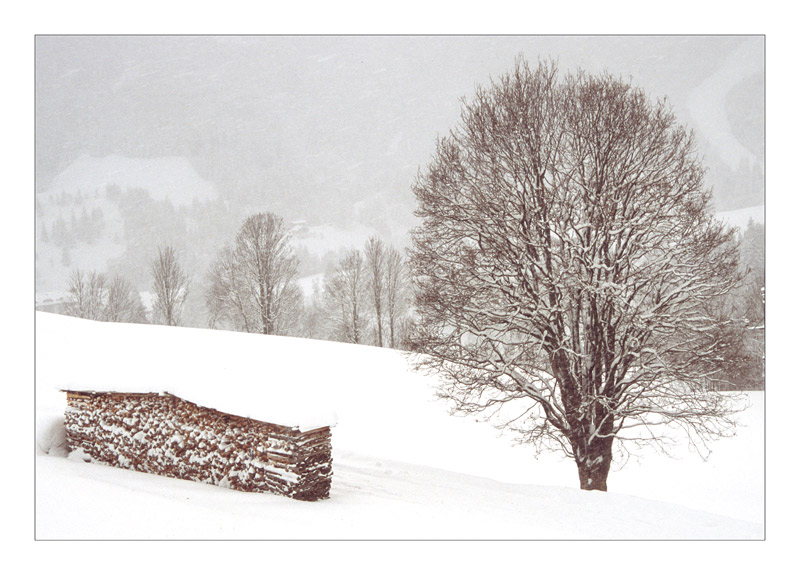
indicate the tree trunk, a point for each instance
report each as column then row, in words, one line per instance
column 380, row 325
column 593, row 468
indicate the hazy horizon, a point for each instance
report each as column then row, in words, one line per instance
column 326, row 131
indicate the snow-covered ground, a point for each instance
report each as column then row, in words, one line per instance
column 403, row 467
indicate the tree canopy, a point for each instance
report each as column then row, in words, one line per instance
column 253, row 284
column 170, row 286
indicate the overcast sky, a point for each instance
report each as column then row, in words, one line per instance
column 331, row 121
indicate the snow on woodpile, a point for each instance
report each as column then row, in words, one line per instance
column 125, row 358
column 165, row 435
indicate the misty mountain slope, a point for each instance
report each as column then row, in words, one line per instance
column 722, row 125
column 110, row 213
column 164, row 178
column 312, row 125
column 403, row 467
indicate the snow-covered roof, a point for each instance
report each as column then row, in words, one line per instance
column 125, row 358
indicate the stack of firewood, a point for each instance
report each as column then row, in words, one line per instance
column 166, row 435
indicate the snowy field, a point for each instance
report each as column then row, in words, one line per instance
column 403, row 467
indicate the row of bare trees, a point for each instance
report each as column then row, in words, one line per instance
column 745, row 368
column 93, row 295
column 253, row 287
column 366, row 297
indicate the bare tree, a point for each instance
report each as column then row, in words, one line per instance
column 568, row 263
column 87, row 294
column 748, row 371
column 170, row 287
column 375, row 260
column 227, row 299
column 753, row 256
column 123, row 302
column 253, row 284
column 395, row 292
column 289, row 310
column 92, row 296
column 344, row 292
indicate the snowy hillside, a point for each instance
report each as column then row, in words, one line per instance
column 164, row 178
column 740, row 218
column 403, row 467
column 100, row 212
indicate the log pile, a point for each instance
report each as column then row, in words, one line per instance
column 166, row 435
